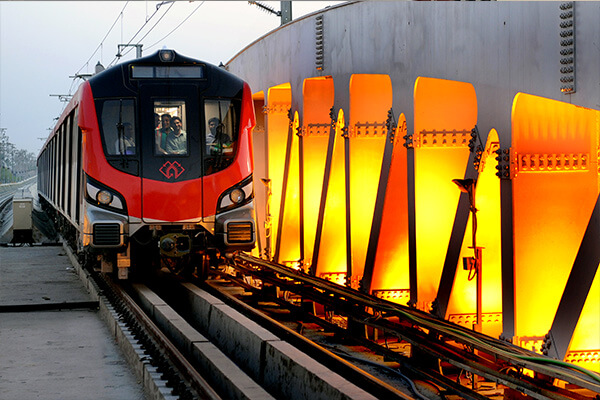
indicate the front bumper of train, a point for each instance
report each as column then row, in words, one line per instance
column 103, row 229
column 236, row 229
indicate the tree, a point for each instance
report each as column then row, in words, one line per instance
column 15, row 165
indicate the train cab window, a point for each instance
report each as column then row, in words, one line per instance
column 221, row 118
column 118, row 126
column 170, row 136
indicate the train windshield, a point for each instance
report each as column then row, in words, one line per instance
column 118, row 126
column 221, row 118
column 170, row 127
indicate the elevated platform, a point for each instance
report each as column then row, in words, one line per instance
column 54, row 344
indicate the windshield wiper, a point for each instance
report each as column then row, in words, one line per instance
column 120, row 136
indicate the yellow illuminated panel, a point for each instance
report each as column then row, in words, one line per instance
column 463, row 304
column 279, row 101
column 554, row 164
column 290, row 239
column 390, row 271
column 260, row 171
column 445, row 114
column 318, row 95
column 370, row 100
column 332, row 253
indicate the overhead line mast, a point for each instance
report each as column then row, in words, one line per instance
column 285, row 13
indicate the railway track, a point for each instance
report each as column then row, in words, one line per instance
column 262, row 330
column 458, row 361
column 269, row 351
column 189, row 344
column 164, row 371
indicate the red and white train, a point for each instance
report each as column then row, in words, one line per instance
column 151, row 164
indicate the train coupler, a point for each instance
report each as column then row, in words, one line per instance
column 175, row 245
column 123, row 264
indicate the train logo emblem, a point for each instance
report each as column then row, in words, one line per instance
column 171, row 169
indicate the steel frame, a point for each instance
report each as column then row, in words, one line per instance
column 439, row 340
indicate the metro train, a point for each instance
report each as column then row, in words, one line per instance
column 150, row 166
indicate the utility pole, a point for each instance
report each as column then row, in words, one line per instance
column 83, row 77
column 138, row 49
column 285, row 13
column 65, row 98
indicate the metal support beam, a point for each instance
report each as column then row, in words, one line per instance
column 286, row 12
column 326, row 178
column 507, row 251
column 286, row 173
column 348, row 215
column 412, row 226
column 300, row 134
column 461, row 219
column 386, row 166
column 138, row 49
column 576, row 290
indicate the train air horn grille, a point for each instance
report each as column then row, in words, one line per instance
column 107, row 235
column 239, row 232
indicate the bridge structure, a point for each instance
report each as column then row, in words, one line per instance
column 441, row 156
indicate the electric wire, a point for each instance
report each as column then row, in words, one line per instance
column 103, row 39
column 156, row 23
column 74, row 80
column 511, row 352
column 491, row 347
column 118, row 56
column 177, row 27
column 119, row 16
column 393, row 371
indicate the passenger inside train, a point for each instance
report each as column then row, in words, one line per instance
column 125, row 144
column 162, row 132
column 176, row 142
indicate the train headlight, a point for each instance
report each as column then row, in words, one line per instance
column 104, row 197
column 166, row 55
column 237, row 196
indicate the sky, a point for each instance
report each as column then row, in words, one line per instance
column 45, row 43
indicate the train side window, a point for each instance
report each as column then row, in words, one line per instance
column 118, row 126
column 170, row 136
column 221, row 118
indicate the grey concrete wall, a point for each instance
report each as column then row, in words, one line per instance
column 500, row 47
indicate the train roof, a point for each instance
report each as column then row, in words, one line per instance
column 106, row 83
column 110, row 82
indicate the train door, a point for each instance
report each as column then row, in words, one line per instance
column 171, row 156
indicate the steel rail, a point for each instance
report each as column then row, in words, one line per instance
column 352, row 301
column 447, row 354
column 334, row 362
column 189, row 374
column 438, row 379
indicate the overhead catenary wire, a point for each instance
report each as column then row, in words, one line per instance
column 85, row 64
column 100, row 45
column 158, row 7
column 177, row 27
column 157, row 22
column 120, row 16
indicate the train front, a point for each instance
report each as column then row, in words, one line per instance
column 167, row 162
